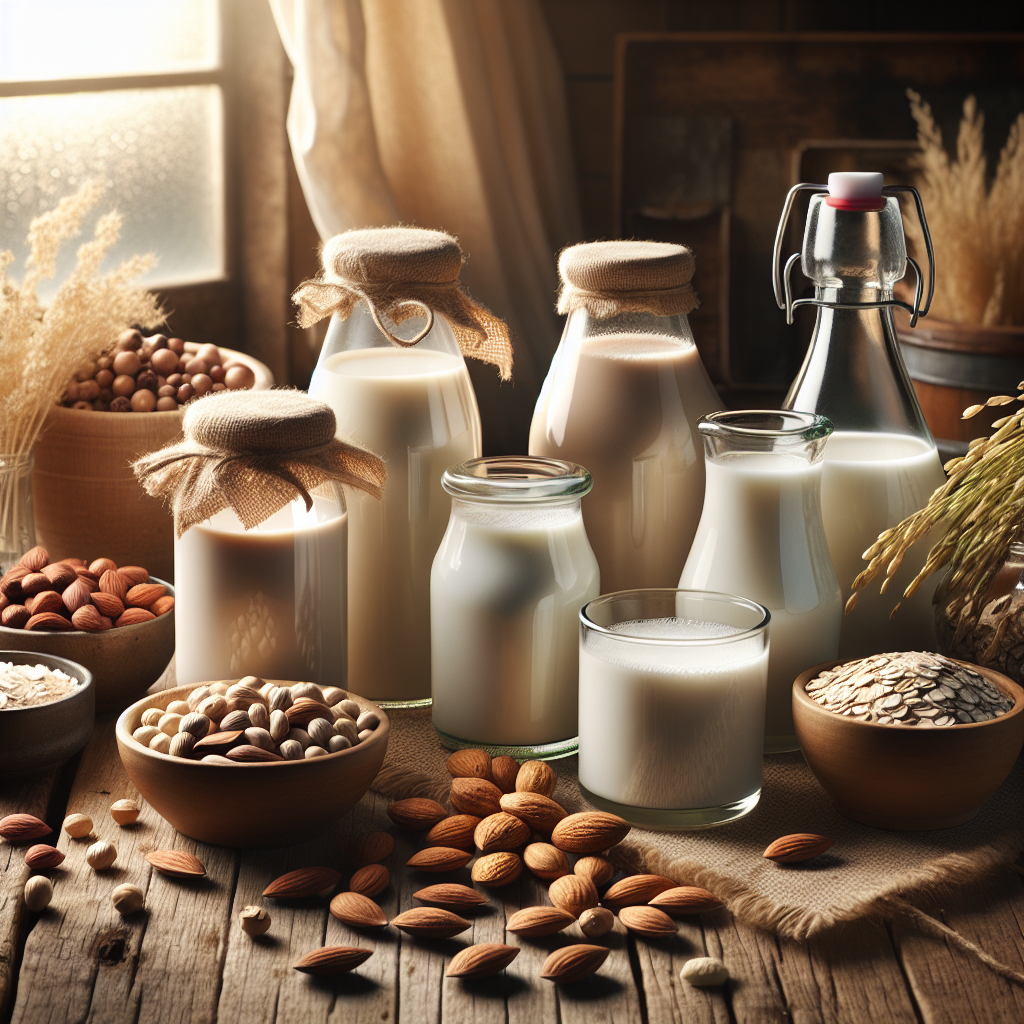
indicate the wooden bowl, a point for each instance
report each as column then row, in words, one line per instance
column 124, row 662
column 88, row 503
column 249, row 805
column 907, row 778
column 44, row 736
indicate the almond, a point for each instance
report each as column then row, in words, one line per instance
column 219, row 742
column 109, row 604
column 47, row 601
column 303, row 883
column 451, row 896
column 439, row 858
column 77, row 594
column 89, row 577
column 475, row 796
column 598, row 869
column 247, row 753
column 113, row 581
column 431, row 923
column 35, row 558
column 470, row 764
column 88, row 617
column 536, row 922
column 797, row 848
column 357, row 910
column 14, row 616
column 331, row 960
column 134, row 574
column 133, row 616
column 686, row 899
column 162, row 605
column 42, row 857
column 60, row 574
column 371, row 849
column 101, row 565
column 636, row 889
column 23, row 828
column 36, row 583
column 481, row 960
column 416, row 813
column 589, row 832
column 546, row 861
column 302, row 711
column 10, row 583
column 573, row 893
column 500, row 831
column 647, row 921
column 370, row 881
column 497, row 869
column 456, row 830
column 540, row 812
column 49, row 621
column 142, row 595
column 241, row 697
column 504, row 771
column 572, row 963
column 536, row 777
column 176, row 863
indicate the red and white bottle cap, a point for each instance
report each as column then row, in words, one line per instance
column 855, row 190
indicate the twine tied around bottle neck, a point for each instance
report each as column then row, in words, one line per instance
column 255, row 452
column 608, row 278
column 401, row 272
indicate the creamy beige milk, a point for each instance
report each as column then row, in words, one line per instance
column 414, row 408
column 760, row 537
column 871, row 482
column 506, row 590
column 268, row 602
column 671, row 727
column 628, row 411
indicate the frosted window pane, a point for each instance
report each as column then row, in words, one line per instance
column 159, row 150
column 44, row 39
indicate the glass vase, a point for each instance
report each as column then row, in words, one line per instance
column 17, row 522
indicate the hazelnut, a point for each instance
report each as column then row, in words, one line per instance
column 107, row 394
column 88, row 391
column 143, row 401
column 78, row 826
column 128, row 899
column 101, row 855
column 124, row 812
column 129, row 341
column 126, row 363
column 209, row 353
column 185, row 393
column 176, row 345
column 217, row 373
column 38, row 893
column 164, row 361
column 166, row 404
column 104, row 378
column 147, row 379
column 174, row 380
column 201, row 383
column 217, row 388
column 196, row 365
column 254, row 921
column 123, row 385
column 239, row 377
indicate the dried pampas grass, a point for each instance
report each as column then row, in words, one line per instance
column 978, row 231
column 41, row 349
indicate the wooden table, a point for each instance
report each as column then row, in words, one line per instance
column 184, row 959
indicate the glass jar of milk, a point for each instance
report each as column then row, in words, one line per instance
column 415, row 408
column 672, row 688
column 761, row 536
column 507, row 585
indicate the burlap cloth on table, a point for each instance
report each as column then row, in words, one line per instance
column 867, row 873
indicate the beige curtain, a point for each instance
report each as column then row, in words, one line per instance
column 444, row 114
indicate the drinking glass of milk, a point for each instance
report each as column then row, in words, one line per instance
column 672, row 690
column 761, row 536
column 511, row 574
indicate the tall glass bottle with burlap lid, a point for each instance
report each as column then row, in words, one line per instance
column 399, row 386
column 623, row 396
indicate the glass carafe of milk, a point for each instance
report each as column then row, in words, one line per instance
column 881, row 463
column 761, row 537
column 623, row 396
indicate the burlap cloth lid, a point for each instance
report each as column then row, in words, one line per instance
column 607, row 278
column 401, row 272
column 254, row 451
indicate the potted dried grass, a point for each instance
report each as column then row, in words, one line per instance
column 973, row 340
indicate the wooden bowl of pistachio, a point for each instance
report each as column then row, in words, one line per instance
column 909, row 741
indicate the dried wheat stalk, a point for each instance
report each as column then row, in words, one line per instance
column 40, row 349
column 978, row 231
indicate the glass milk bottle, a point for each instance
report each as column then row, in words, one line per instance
column 623, row 396
column 415, row 408
column 761, row 537
column 881, row 463
column 508, row 582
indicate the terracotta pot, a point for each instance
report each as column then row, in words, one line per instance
column 954, row 366
column 902, row 778
column 249, row 805
column 88, row 503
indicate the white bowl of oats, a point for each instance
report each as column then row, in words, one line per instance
column 47, row 710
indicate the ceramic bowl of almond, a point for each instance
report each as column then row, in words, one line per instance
column 117, row 621
column 252, row 762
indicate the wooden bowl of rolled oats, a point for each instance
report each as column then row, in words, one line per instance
column 47, row 710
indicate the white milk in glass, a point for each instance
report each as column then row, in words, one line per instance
column 415, row 408
column 269, row 601
column 870, row 482
column 760, row 536
column 671, row 726
column 626, row 406
column 506, row 591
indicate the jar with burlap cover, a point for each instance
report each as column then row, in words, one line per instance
column 255, row 487
column 622, row 397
